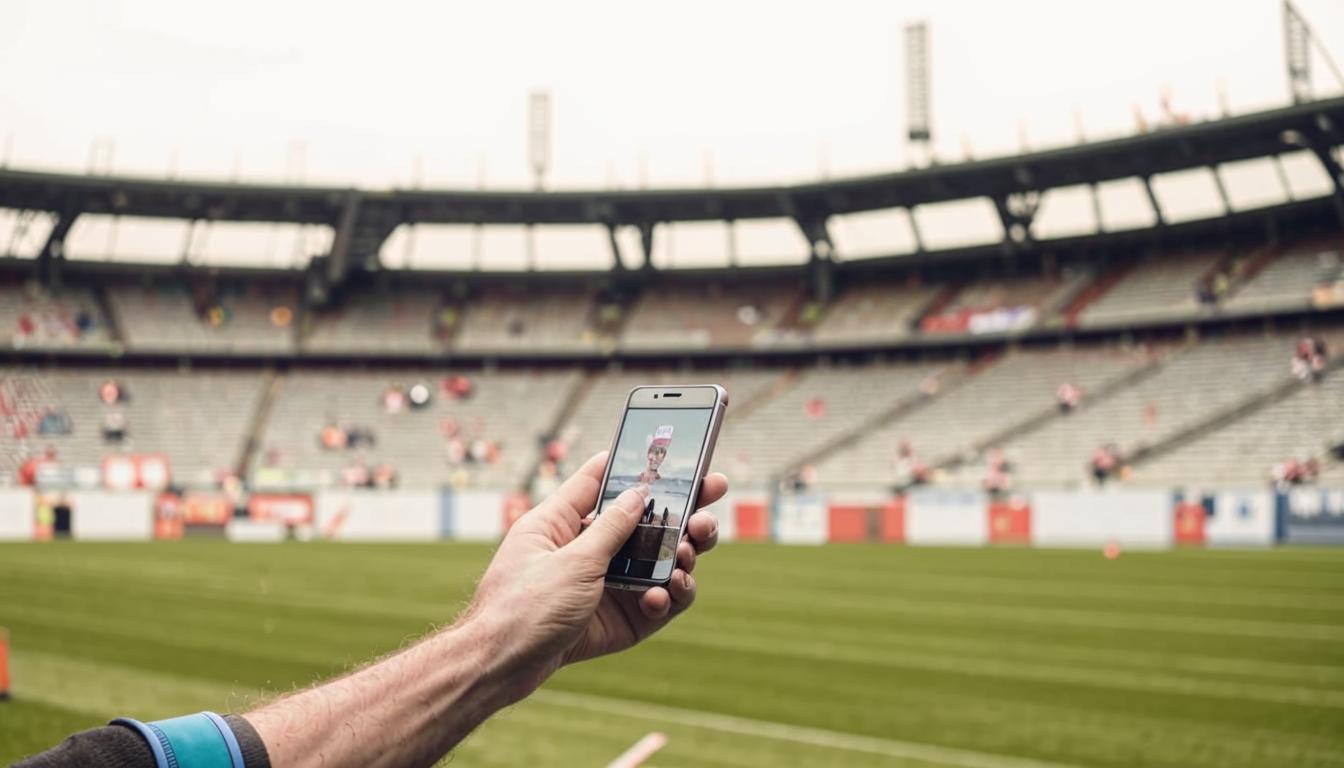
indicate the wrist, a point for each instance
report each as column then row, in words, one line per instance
column 507, row 670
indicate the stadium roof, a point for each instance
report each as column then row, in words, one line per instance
column 363, row 219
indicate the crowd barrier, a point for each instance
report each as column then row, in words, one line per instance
column 1129, row 517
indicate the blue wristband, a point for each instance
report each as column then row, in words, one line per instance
column 202, row 740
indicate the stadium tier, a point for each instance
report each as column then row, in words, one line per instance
column 996, row 397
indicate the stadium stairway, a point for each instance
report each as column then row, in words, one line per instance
column 1253, row 403
column 948, row 382
column 270, row 390
column 1047, row 415
column 1092, row 291
column 1255, row 263
column 115, row 328
column 577, row 394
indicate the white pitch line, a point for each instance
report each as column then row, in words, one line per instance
column 798, row 734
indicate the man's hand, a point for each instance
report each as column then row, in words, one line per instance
column 543, row 596
column 541, row 604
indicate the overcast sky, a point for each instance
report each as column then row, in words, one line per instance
column 651, row 94
column 769, row 90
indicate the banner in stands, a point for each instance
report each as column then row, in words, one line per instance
column 1312, row 515
column 946, row 517
column 126, row 471
column 871, row 518
column 752, row 519
column 473, row 515
column 287, row 508
column 1188, row 517
column 1010, row 521
column 1132, row 517
column 1241, row 518
column 16, row 514
column 109, row 515
column 800, row 518
column 378, row 515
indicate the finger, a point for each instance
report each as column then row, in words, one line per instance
column 609, row 531
column 686, row 556
column 703, row 530
column 682, row 590
column 577, row 496
column 655, row 603
column 712, row 488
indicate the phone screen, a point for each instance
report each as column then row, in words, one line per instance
column 660, row 447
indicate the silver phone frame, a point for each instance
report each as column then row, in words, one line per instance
column 719, row 407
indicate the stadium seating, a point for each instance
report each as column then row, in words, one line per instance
column 1298, row 426
column 700, row 316
column 1162, row 286
column 513, row 410
column 166, row 318
column 874, row 311
column 1187, row 388
column 1287, row 281
column 34, row 317
column 994, row 305
column 378, row 321
column 197, row 419
column 510, row 318
column 817, row 406
column 993, row 398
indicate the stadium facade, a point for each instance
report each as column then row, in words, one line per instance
column 1189, row 356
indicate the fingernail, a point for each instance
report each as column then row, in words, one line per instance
column 688, row 581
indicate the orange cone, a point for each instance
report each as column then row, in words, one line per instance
column 4, row 664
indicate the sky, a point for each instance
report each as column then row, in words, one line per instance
column 694, row 93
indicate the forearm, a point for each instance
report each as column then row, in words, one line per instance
column 408, row 709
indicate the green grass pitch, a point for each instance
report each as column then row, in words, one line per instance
column 838, row 655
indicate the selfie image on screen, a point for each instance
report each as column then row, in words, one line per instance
column 659, row 447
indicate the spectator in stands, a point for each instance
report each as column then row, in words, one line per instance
column 112, row 392
column 547, row 479
column 385, row 477
column 359, row 436
column 456, row 387
column 1309, row 359
column 394, row 399
column 1105, row 462
column 1298, row 470
column 54, row 422
column 418, row 395
column 1068, row 396
column 332, row 438
column 456, row 451
column 356, row 474
column 998, row 473
column 33, row 466
column 114, row 427
column 908, row 470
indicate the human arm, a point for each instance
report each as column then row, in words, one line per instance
column 540, row 604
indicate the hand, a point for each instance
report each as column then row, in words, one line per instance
column 543, row 597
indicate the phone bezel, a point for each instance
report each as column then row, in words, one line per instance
column 707, row 396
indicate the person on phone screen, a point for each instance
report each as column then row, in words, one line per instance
column 658, row 443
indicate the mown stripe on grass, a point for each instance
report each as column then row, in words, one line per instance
column 764, row 729
column 112, row 690
column 1019, row 669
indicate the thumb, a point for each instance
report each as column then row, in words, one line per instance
column 609, row 531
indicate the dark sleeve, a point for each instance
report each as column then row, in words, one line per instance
column 116, row 746
column 251, row 745
column 112, row 746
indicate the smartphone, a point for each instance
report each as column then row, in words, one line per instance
column 665, row 440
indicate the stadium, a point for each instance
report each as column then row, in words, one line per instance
column 1036, row 459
